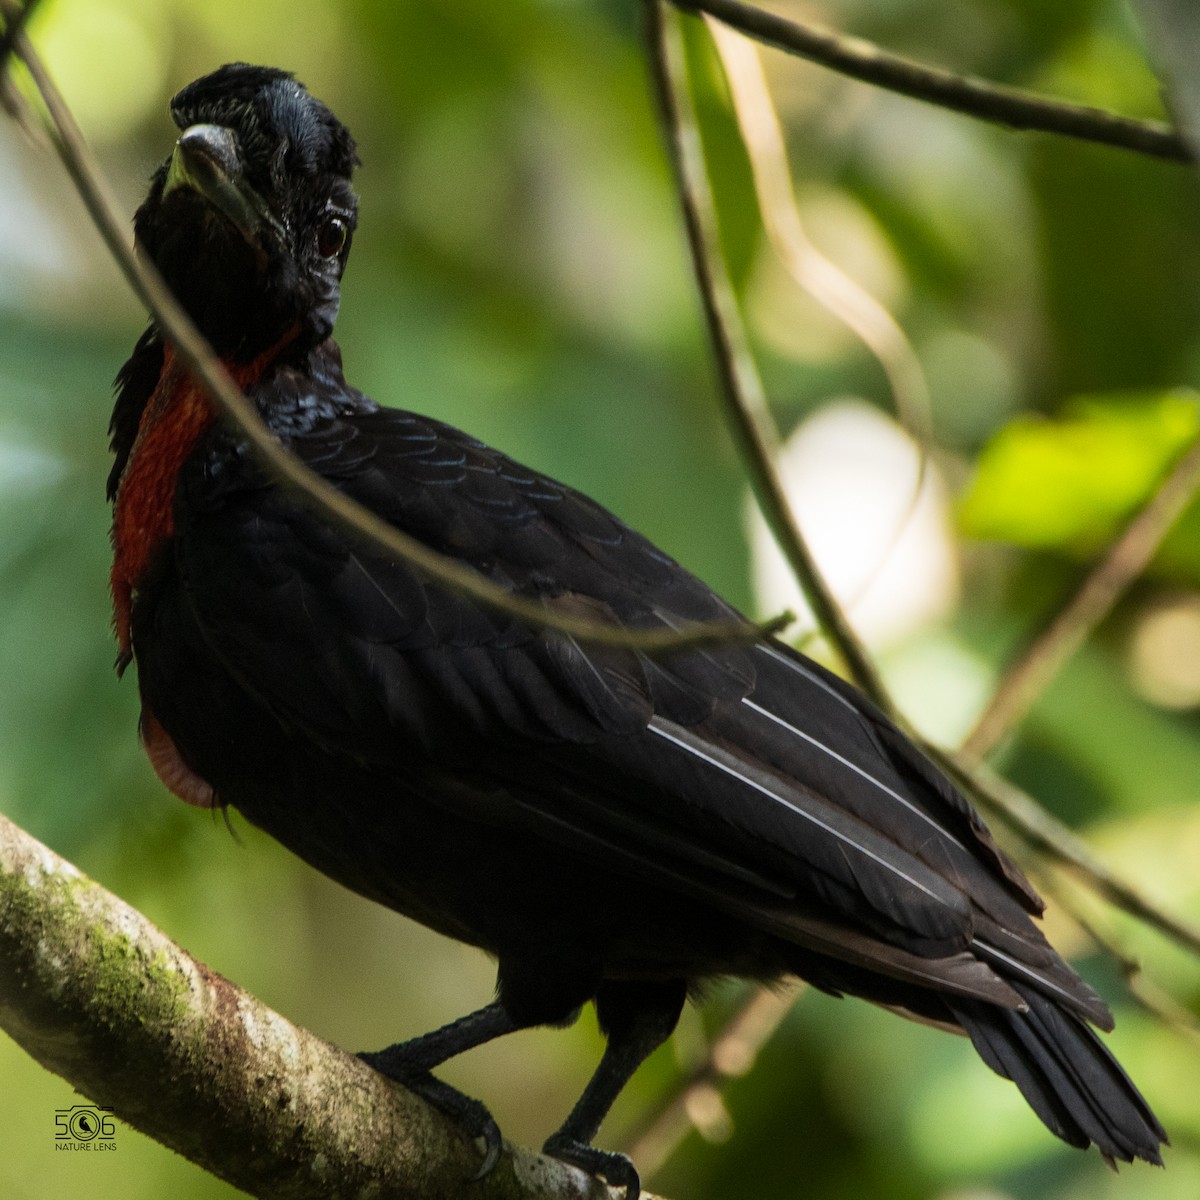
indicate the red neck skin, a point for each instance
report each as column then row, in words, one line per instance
column 176, row 415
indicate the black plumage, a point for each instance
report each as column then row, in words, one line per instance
column 612, row 828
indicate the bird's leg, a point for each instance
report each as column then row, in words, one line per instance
column 422, row 1054
column 637, row 1018
column 411, row 1062
column 531, row 992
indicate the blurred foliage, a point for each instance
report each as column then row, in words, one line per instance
column 519, row 271
column 1069, row 482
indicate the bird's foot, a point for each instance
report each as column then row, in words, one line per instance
column 616, row 1169
column 469, row 1114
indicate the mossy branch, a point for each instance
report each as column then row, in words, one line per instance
column 99, row 995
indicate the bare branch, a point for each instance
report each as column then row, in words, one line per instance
column 1011, row 107
column 333, row 504
column 98, row 995
column 741, row 386
column 1126, row 558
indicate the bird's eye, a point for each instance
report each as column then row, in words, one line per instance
column 332, row 237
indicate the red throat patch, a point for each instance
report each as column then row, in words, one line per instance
column 176, row 415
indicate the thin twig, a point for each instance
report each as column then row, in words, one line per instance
column 337, row 507
column 1148, row 994
column 741, row 386
column 1011, row 107
column 16, row 17
column 1126, row 558
column 1054, row 840
column 817, row 275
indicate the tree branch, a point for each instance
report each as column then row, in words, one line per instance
column 334, row 505
column 1011, row 107
column 98, row 995
column 741, row 386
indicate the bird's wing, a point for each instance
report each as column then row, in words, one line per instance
column 746, row 775
column 385, row 649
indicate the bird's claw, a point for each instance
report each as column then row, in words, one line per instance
column 616, row 1169
column 492, row 1145
column 470, row 1115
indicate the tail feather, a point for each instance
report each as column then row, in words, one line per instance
column 1066, row 1075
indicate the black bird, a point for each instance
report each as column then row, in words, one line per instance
column 610, row 827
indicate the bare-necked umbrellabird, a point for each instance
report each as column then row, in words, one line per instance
column 611, row 827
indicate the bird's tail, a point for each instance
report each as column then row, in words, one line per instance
column 1067, row 1076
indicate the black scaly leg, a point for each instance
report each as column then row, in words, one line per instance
column 637, row 1018
column 411, row 1062
column 531, row 993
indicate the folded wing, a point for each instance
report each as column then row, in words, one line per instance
column 744, row 776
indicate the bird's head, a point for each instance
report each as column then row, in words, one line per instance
column 250, row 218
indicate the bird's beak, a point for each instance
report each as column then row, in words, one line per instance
column 208, row 160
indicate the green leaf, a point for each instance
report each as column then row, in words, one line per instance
column 1067, row 482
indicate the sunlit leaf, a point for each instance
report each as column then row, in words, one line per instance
column 1067, row 482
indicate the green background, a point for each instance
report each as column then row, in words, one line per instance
column 519, row 271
